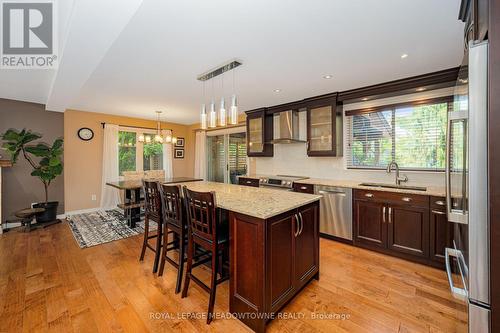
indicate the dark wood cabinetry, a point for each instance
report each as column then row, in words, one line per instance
column 402, row 225
column 408, row 230
column 303, row 188
column 254, row 182
column 369, row 220
column 324, row 128
column 441, row 232
column 259, row 133
column 272, row 260
column 475, row 14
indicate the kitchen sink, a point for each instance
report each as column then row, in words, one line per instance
column 403, row 187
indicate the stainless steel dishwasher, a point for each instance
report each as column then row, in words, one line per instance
column 335, row 211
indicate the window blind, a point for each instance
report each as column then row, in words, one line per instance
column 413, row 135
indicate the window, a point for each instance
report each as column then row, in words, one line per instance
column 126, row 151
column 152, row 155
column 137, row 156
column 412, row 134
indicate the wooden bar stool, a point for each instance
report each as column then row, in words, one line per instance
column 174, row 220
column 208, row 232
column 152, row 211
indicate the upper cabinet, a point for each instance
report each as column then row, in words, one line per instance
column 475, row 14
column 324, row 128
column 259, row 133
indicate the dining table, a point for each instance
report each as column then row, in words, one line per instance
column 132, row 194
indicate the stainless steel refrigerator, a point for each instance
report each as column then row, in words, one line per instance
column 468, row 262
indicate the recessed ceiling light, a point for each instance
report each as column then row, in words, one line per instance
column 277, row 90
column 404, row 55
column 364, row 99
column 421, row 89
column 327, row 77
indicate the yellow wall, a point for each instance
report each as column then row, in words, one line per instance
column 83, row 159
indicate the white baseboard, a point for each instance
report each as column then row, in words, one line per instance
column 81, row 211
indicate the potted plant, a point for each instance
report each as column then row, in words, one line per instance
column 45, row 160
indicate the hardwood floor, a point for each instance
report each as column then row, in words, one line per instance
column 47, row 283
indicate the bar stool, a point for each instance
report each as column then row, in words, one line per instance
column 208, row 232
column 174, row 220
column 152, row 211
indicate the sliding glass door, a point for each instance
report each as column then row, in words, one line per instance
column 227, row 157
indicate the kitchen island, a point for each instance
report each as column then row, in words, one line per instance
column 274, row 247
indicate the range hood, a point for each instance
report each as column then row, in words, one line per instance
column 286, row 128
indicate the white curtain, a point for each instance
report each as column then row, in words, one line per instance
column 200, row 158
column 110, row 196
column 167, row 156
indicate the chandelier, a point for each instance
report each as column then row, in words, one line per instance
column 220, row 118
column 158, row 137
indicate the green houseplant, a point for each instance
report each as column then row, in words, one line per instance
column 45, row 159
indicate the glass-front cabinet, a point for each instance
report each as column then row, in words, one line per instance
column 259, row 133
column 324, row 129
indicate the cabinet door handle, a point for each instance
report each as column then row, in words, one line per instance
column 383, row 214
column 406, row 199
column 301, row 224
column 390, row 215
column 296, row 233
column 438, row 212
column 369, row 195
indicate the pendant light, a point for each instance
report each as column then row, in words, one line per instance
column 203, row 113
column 233, row 111
column 212, row 117
column 222, row 110
column 203, row 116
column 158, row 138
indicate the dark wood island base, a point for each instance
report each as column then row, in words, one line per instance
column 271, row 261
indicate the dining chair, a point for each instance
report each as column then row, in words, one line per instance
column 207, row 230
column 154, row 174
column 152, row 212
column 133, row 175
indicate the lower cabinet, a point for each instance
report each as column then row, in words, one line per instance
column 370, row 226
column 402, row 225
column 293, row 254
column 408, row 230
column 441, row 235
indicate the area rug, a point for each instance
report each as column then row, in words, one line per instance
column 99, row 227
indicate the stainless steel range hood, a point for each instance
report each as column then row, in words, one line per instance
column 287, row 129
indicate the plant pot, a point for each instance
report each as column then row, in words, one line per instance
column 50, row 213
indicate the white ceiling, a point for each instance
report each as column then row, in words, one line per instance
column 148, row 56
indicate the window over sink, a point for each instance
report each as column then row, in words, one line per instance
column 413, row 134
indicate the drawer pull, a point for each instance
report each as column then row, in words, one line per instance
column 406, row 199
column 438, row 212
column 440, row 203
column 303, row 187
column 249, row 182
column 369, row 195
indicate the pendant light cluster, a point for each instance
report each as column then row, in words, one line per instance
column 157, row 138
column 219, row 117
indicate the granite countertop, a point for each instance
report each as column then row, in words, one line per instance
column 258, row 202
column 437, row 191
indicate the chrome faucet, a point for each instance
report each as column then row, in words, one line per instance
column 399, row 179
